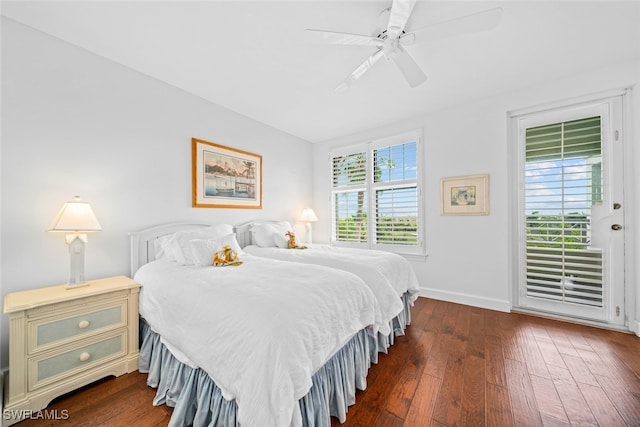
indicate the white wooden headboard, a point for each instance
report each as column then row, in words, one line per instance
column 142, row 241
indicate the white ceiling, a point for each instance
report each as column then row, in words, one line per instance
column 252, row 57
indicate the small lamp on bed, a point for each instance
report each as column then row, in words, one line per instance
column 308, row 216
column 76, row 218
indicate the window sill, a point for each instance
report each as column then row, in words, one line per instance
column 414, row 257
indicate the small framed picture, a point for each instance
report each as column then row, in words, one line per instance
column 224, row 177
column 465, row 195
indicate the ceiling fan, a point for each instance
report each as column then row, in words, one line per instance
column 390, row 40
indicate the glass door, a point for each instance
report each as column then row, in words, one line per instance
column 570, row 226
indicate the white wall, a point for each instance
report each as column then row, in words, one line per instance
column 468, row 258
column 76, row 123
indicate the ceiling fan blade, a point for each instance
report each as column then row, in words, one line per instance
column 358, row 72
column 399, row 15
column 332, row 37
column 409, row 68
column 481, row 21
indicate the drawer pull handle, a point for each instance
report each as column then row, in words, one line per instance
column 83, row 324
column 84, row 356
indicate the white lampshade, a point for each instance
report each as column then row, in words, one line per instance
column 75, row 216
column 308, row 215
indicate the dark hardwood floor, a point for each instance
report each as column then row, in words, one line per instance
column 456, row 366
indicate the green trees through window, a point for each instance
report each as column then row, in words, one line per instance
column 375, row 195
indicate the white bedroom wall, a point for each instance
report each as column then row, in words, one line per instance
column 76, row 123
column 468, row 257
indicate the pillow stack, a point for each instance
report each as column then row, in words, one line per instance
column 197, row 246
column 271, row 235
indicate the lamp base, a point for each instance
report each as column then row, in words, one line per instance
column 76, row 259
column 76, row 285
column 309, row 234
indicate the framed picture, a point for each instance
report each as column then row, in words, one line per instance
column 465, row 195
column 223, row 177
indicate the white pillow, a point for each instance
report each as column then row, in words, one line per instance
column 263, row 235
column 282, row 240
column 162, row 248
column 181, row 248
column 202, row 250
column 272, row 234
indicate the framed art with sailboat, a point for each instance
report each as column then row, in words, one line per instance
column 225, row 177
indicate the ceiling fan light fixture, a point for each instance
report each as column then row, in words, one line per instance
column 390, row 39
column 390, row 47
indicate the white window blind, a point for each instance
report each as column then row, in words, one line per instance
column 396, row 194
column 375, row 195
column 563, row 180
column 350, row 197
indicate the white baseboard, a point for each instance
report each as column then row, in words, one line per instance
column 467, row 299
column 634, row 326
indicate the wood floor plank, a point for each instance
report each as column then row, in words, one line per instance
column 626, row 402
column 595, row 363
column 576, row 338
column 602, row 408
column 422, row 348
column 386, row 419
column 402, row 392
column 421, row 311
column 473, row 392
column 561, row 340
column 579, row 370
column 450, row 319
column 536, row 364
column 438, row 356
column 608, row 352
column 511, row 343
column 421, row 411
column 548, row 421
column 498, row 406
column 577, row 410
column 447, row 407
column 628, row 353
column 456, row 365
column 547, row 398
column 491, row 323
column 475, row 344
column 549, row 352
column 523, row 400
column 494, row 361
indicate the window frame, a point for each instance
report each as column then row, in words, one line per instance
column 370, row 187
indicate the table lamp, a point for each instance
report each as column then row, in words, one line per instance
column 76, row 218
column 308, row 216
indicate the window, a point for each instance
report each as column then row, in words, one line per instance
column 376, row 198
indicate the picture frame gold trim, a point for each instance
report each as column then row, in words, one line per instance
column 224, row 177
column 464, row 195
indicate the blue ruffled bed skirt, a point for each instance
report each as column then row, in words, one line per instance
column 198, row 401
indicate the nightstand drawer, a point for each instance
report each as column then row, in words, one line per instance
column 53, row 366
column 69, row 326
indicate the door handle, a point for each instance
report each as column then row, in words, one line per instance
column 616, row 227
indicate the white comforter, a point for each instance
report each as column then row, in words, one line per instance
column 388, row 275
column 260, row 330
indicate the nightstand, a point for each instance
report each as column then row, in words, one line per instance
column 62, row 338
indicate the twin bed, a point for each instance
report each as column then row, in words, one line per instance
column 263, row 341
